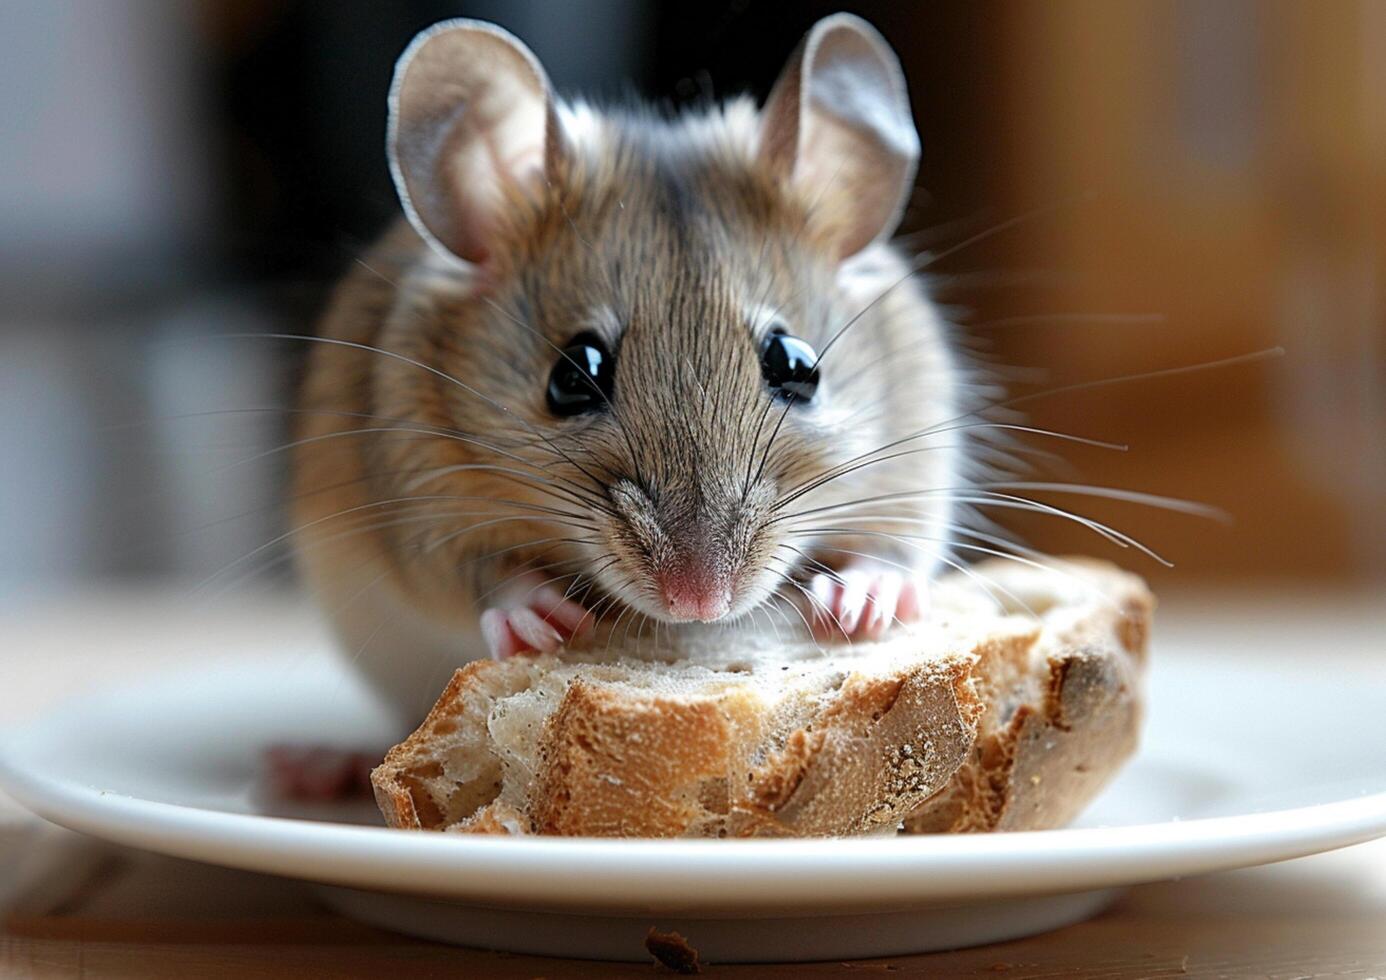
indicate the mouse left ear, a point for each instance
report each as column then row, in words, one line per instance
column 837, row 127
column 472, row 122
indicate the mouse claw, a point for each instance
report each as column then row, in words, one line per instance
column 533, row 617
column 863, row 601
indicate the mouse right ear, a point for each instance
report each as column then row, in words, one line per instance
column 472, row 120
column 837, row 127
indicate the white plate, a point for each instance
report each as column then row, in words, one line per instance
column 1243, row 763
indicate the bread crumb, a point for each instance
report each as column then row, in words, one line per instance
column 673, row 951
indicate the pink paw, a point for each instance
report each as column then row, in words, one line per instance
column 863, row 601
column 530, row 616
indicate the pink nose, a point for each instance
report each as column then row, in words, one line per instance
column 701, row 597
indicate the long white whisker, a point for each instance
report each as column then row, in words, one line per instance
column 1115, row 493
column 988, row 498
column 392, row 501
column 908, row 539
column 443, row 375
column 1135, row 319
column 864, row 460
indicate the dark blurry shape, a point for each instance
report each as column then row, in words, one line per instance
column 301, row 91
column 672, row 951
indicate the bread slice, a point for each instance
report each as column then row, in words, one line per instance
column 987, row 715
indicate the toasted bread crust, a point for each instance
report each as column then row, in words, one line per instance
column 1038, row 768
column 1017, row 729
column 613, row 764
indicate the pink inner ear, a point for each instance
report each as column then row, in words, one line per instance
column 480, row 174
column 838, row 125
column 779, row 128
column 470, row 112
column 496, row 149
column 526, row 164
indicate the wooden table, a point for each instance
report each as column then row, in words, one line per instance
column 70, row 906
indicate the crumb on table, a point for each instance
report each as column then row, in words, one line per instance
column 673, row 951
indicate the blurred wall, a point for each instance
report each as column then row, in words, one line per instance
column 171, row 173
column 106, row 191
column 1201, row 180
column 1234, row 158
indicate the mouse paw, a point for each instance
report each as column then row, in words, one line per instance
column 530, row 616
column 862, row 601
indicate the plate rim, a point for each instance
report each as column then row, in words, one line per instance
column 702, row 876
column 699, row 875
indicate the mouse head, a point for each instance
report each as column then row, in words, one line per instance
column 651, row 306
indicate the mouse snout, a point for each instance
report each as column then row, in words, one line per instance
column 681, row 559
column 695, row 590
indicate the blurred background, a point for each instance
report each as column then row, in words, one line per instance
column 1199, row 180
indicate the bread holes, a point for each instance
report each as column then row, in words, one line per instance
column 428, row 812
column 714, row 796
column 467, row 798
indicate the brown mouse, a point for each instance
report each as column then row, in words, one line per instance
column 617, row 365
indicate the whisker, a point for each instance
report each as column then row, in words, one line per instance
column 794, row 607
column 972, row 573
column 985, row 498
column 832, row 575
column 443, row 375
column 521, row 570
column 1193, row 508
column 393, row 501
column 1134, row 319
column 517, row 476
column 1249, row 358
column 988, row 584
column 274, row 561
column 587, row 499
column 945, row 527
column 862, row 461
column 615, row 415
column 926, row 259
column 908, row 539
column 374, row 271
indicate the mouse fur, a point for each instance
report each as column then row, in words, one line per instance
column 430, row 477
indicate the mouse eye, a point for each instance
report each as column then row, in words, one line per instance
column 581, row 380
column 789, row 366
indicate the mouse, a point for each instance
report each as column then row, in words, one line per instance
column 621, row 365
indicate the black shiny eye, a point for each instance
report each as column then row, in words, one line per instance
column 581, row 379
column 789, row 366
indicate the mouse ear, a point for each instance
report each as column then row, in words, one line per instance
column 471, row 120
column 837, row 126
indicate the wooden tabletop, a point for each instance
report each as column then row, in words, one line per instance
column 71, row 906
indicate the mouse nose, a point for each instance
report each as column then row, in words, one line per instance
column 695, row 593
